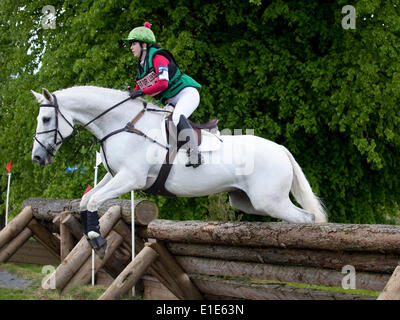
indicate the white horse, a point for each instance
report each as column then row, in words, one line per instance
column 133, row 162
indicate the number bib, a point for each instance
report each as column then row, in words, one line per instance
column 147, row 81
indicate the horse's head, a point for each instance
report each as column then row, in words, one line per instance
column 53, row 127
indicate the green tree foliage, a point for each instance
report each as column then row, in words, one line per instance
column 286, row 69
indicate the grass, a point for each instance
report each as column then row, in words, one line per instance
column 333, row 289
column 36, row 292
column 88, row 292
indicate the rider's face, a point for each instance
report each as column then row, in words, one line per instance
column 135, row 48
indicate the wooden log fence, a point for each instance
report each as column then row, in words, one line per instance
column 57, row 239
column 314, row 254
column 209, row 260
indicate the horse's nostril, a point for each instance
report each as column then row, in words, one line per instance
column 37, row 159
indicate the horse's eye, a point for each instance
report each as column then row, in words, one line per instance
column 46, row 119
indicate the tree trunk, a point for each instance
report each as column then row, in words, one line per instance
column 330, row 236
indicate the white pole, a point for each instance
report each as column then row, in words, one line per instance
column 93, row 254
column 95, row 175
column 133, row 230
column 8, row 195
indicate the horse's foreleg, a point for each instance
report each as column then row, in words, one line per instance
column 123, row 182
column 87, row 196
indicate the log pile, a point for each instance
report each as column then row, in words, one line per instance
column 208, row 260
column 280, row 252
column 55, row 225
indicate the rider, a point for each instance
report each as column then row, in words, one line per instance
column 158, row 75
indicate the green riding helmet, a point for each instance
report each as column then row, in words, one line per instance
column 143, row 34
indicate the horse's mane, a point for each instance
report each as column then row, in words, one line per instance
column 113, row 93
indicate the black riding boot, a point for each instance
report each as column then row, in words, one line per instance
column 190, row 139
column 90, row 222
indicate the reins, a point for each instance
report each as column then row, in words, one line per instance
column 130, row 127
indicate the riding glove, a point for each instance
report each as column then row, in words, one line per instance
column 135, row 94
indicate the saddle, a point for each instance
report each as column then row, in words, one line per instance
column 197, row 127
column 158, row 187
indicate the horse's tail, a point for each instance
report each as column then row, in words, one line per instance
column 303, row 193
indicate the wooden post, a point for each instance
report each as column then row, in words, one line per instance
column 15, row 226
column 157, row 269
column 392, row 288
column 132, row 273
column 113, row 265
column 122, row 228
column 175, row 270
column 77, row 257
column 73, row 225
column 67, row 241
column 10, row 248
column 83, row 276
column 45, row 237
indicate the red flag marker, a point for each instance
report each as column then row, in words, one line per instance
column 8, row 167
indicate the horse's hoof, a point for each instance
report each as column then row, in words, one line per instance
column 101, row 252
column 99, row 245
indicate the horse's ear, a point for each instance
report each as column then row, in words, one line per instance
column 48, row 96
column 38, row 96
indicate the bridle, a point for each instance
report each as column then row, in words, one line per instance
column 130, row 127
column 52, row 148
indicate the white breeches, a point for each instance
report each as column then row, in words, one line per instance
column 185, row 103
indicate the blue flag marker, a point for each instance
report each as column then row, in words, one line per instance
column 73, row 169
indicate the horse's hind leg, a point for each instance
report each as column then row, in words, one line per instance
column 239, row 200
column 282, row 210
column 280, row 207
column 269, row 195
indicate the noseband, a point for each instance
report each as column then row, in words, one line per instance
column 51, row 148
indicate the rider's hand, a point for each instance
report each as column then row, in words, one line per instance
column 135, row 94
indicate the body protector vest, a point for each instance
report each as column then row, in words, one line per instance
column 147, row 76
